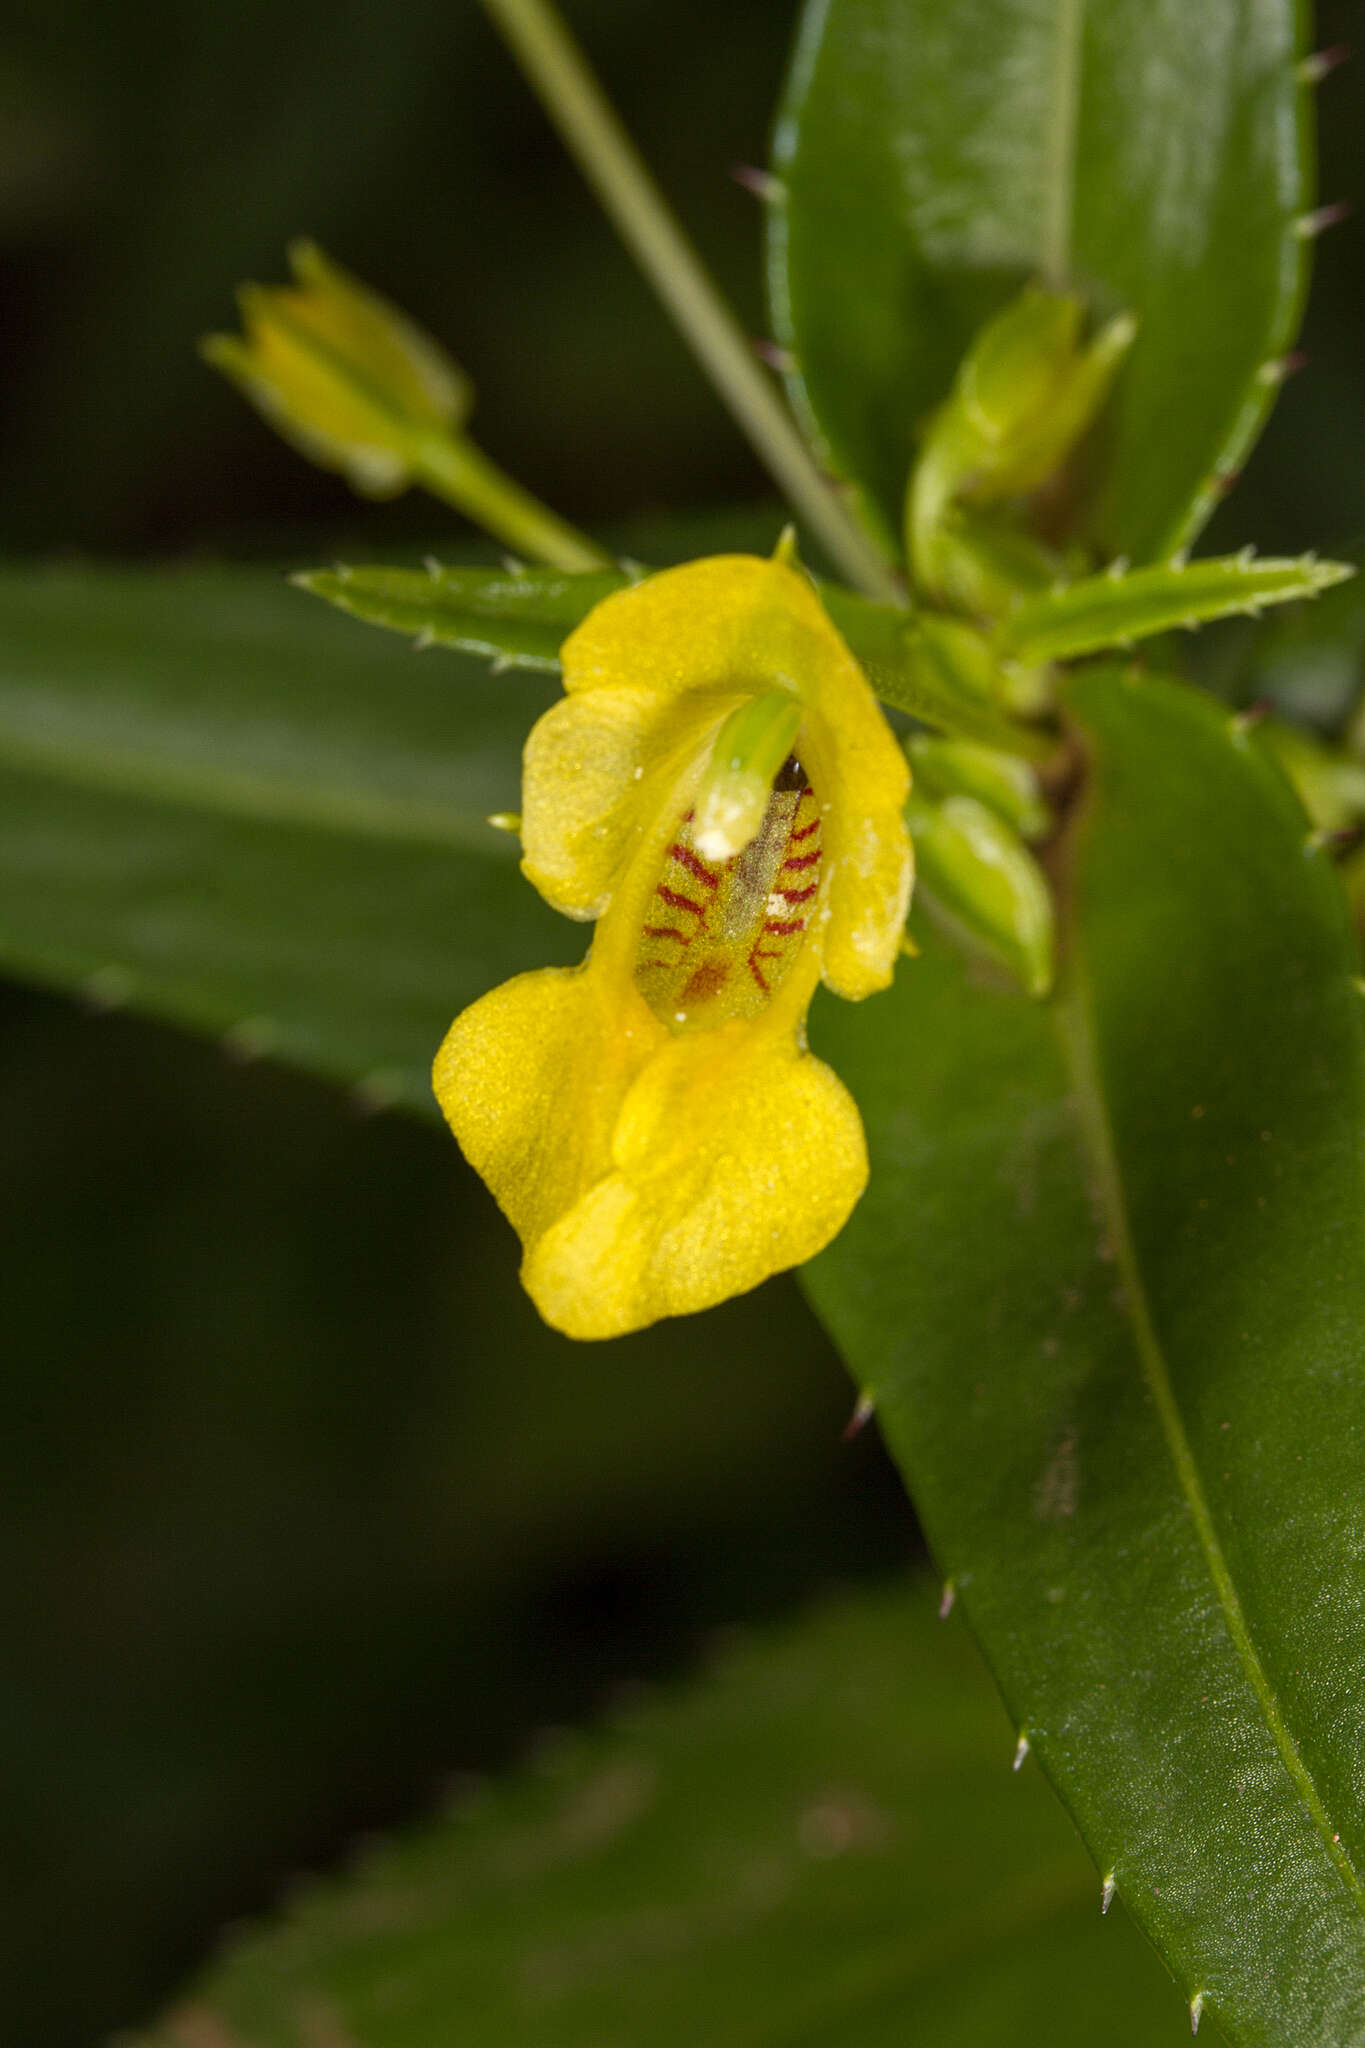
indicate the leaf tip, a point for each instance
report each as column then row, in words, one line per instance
column 1107, row 1890
column 1196, row 2011
column 946, row 1599
column 1021, row 1749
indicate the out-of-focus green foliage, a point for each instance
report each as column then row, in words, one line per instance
column 790, row 1850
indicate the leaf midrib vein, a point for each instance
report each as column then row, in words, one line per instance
column 246, row 793
column 1074, row 1011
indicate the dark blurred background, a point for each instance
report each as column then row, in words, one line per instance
column 301, row 1510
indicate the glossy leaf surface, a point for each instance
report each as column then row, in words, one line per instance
column 1108, row 1288
column 934, row 158
column 222, row 805
column 820, row 1842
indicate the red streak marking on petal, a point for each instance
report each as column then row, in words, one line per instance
column 695, row 865
column 806, row 830
column 797, row 895
column 757, row 973
column 783, row 928
column 801, row 860
column 677, row 902
column 665, row 931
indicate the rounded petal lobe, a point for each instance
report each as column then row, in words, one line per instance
column 531, row 1079
column 736, row 1156
column 730, row 623
column 863, row 778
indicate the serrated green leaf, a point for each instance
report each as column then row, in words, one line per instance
column 1309, row 663
column 519, row 619
column 1124, row 605
column 231, row 810
column 932, row 158
column 820, row 1842
column 1137, row 1214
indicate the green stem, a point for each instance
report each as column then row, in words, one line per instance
column 454, row 469
column 638, row 210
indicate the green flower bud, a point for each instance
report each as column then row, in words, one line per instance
column 1005, row 783
column 976, row 869
column 1025, row 393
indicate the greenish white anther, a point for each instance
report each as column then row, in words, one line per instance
column 1025, row 394
column 749, row 751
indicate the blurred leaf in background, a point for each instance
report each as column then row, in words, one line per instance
column 285, row 1542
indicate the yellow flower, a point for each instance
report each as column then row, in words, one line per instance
column 651, row 1122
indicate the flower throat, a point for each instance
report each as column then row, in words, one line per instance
column 722, row 935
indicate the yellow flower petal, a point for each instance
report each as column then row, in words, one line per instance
column 730, row 624
column 862, row 776
column 736, row 1156
column 595, row 773
column 531, row 1080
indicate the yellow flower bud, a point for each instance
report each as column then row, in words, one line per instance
column 341, row 374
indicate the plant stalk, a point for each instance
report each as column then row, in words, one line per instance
column 604, row 153
column 455, row 470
